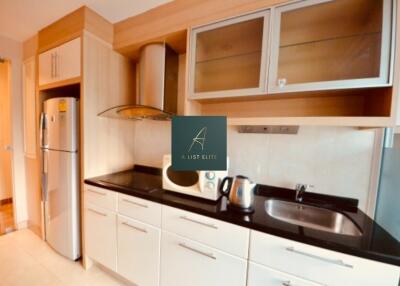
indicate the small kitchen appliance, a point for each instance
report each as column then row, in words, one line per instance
column 202, row 184
column 240, row 191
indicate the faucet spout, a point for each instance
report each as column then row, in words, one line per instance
column 300, row 190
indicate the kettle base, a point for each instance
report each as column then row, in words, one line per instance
column 240, row 209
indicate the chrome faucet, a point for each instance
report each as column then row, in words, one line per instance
column 300, row 190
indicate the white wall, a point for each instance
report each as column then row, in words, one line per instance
column 336, row 160
column 12, row 51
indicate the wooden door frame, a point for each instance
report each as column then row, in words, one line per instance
column 11, row 144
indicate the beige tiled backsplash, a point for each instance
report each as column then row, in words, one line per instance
column 336, row 160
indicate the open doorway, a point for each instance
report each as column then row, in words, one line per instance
column 6, row 184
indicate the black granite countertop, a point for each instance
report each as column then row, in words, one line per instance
column 374, row 243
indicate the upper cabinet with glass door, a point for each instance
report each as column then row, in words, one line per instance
column 320, row 44
column 229, row 58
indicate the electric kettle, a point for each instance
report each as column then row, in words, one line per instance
column 240, row 191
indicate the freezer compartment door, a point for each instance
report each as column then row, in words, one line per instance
column 61, row 201
column 61, row 124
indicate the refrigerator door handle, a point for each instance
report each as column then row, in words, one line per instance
column 43, row 130
column 44, row 174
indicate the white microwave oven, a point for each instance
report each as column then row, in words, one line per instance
column 203, row 184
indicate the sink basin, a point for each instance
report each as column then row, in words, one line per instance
column 311, row 217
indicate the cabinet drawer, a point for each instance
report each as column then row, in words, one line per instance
column 101, row 197
column 185, row 262
column 317, row 264
column 138, row 251
column 261, row 275
column 221, row 235
column 101, row 235
column 142, row 210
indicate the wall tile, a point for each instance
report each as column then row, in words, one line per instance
column 336, row 160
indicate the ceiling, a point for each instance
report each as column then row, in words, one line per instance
column 21, row 19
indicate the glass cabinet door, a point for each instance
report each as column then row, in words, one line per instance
column 320, row 44
column 228, row 58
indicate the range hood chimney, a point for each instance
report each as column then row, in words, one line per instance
column 157, row 97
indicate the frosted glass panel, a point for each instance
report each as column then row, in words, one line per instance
column 229, row 57
column 337, row 40
column 388, row 207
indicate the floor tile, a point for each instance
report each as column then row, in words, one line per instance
column 25, row 259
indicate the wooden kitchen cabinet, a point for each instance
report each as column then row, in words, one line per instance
column 138, row 251
column 320, row 45
column 186, row 262
column 229, row 58
column 60, row 64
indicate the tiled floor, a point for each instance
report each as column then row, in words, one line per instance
column 27, row 260
column 6, row 218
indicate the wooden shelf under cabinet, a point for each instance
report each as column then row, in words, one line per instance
column 357, row 107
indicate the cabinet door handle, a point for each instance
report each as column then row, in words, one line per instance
column 55, row 64
column 96, row 192
column 52, row 65
column 199, row 222
column 96, row 212
column 282, row 82
column 135, row 203
column 332, row 261
column 209, row 255
column 287, row 283
column 135, row 227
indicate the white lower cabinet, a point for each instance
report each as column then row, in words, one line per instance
column 263, row 276
column 151, row 245
column 227, row 237
column 138, row 251
column 101, row 235
column 317, row 264
column 185, row 262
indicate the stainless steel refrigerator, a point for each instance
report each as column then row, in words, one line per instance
column 60, row 175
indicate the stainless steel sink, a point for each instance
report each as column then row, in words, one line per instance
column 311, row 217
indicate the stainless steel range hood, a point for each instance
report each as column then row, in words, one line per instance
column 158, row 86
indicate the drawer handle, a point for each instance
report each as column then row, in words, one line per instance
column 287, row 283
column 333, row 261
column 199, row 222
column 135, row 203
column 97, row 212
column 96, row 192
column 209, row 255
column 135, row 227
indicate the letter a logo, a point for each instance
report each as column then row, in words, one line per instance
column 200, row 138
